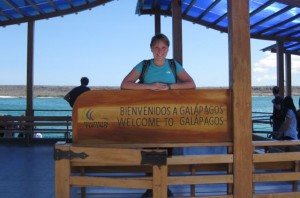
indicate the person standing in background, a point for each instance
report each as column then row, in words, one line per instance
column 74, row 93
column 277, row 116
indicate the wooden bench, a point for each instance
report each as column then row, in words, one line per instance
column 277, row 166
column 275, row 146
column 29, row 125
column 115, row 132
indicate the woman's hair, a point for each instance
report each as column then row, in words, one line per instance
column 288, row 103
column 160, row 37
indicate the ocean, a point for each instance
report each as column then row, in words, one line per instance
column 59, row 107
column 41, row 106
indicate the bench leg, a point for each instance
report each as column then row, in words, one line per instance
column 62, row 175
column 82, row 189
column 160, row 179
column 193, row 186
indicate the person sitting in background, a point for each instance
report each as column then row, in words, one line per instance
column 288, row 129
column 277, row 116
column 74, row 93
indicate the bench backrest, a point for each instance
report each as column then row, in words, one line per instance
column 146, row 116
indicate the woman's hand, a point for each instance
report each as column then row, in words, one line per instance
column 159, row 86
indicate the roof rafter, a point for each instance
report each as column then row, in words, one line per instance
column 287, row 29
column 279, row 24
column 15, row 7
column 35, row 7
column 54, row 14
column 189, row 8
column 52, row 5
column 271, row 16
column 208, row 9
column 262, row 7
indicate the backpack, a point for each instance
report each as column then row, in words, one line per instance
column 146, row 64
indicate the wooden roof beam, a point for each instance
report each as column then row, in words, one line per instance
column 271, row 16
column 279, row 24
column 254, row 12
column 15, row 7
column 189, row 7
column 208, row 9
column 35, row 7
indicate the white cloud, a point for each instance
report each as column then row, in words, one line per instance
column 264, row 70
column 264, row 78
column 265, row 64
column 296, row 65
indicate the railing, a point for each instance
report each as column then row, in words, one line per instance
column 28, row 126
column 261, row 123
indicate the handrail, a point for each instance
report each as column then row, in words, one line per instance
column 261, row 122
column 29, row 125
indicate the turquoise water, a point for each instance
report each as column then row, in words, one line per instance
column 41, row 106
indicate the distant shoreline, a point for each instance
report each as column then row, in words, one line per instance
column 7, row 91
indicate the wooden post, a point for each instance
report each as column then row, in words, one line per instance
column 280, row 68
column 160, row 177
column 288, row 71
column 157, row 23
column 29, row 92
column 30, row 49
column 62, row 174
column 177, row 30
column 240, row 83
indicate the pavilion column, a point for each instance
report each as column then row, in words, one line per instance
column 280, row 68
column 29, row 91
column 240, row 84
column 177, row 30
column 157, row 23
column 30, row 51
column 288, row 72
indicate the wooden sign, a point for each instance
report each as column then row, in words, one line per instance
column 146, row 116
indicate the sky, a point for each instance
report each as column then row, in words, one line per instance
column 106, row 42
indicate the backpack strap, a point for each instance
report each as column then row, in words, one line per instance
column 172, row 64
column 146, row 64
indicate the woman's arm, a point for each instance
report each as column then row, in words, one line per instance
column 185, row 81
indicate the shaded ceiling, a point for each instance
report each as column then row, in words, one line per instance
column 269, row 19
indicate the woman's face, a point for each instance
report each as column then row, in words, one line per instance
column 160, row 50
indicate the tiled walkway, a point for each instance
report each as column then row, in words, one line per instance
column 26, row 172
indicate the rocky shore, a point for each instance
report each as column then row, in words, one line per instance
column 60, row 91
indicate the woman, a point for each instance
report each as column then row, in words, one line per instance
column 159, row 74
column 288, row 129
